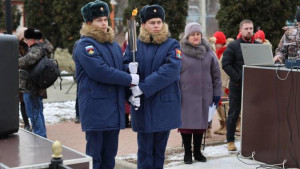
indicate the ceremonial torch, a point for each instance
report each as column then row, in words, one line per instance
column 131, row 25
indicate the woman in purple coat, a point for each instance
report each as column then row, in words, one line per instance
column 200, row 84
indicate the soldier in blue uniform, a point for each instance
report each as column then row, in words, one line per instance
column 101, row 83
column 159, row 65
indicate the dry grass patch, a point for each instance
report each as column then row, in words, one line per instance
column 64, row 59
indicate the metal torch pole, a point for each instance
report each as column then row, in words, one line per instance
column 132, row 37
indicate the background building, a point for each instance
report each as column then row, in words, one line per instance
column 204, row 12
column 20, row 8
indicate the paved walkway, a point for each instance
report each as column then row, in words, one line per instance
column 70, row 134
column 231, row 162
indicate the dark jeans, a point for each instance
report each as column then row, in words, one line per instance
column 235, row 91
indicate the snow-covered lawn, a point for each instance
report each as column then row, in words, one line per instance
column 58, row 112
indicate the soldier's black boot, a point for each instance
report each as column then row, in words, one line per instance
column 77, row 119
column 187, row 142
column 197, row 139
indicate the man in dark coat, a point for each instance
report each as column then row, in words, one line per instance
column 232, row 64
column 159, row 65
column 33, row 96
column 101, row 81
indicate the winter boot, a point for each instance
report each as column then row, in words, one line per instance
column 187, row 142
column 208, row 133
column 77, row 119
column 219, row 129
column 231, row 146
column 28, row 128
column 197, row 139
column 222, row 129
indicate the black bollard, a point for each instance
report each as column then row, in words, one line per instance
column 57, row 161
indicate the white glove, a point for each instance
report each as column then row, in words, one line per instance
column 135, row 79
column 135, row 101
column 136, row 91
column 133, row 67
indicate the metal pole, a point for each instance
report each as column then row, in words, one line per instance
column 8, row 17
column 133, row 56
column 132, row 39
column 203, row 15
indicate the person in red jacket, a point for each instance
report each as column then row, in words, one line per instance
column 220, row 48
column 261, row 37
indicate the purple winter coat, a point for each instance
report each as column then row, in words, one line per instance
column 200, row 80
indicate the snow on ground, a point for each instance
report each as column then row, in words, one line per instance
column 58, row 112
column 66, row 77
column 209, row 152
column 174, row 157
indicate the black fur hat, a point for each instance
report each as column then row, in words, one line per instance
column 152, row 11
column 94, row 9
column 298, row 15
column 32, row 33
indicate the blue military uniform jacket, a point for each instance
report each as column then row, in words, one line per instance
column 159, row 70
column 101, row 83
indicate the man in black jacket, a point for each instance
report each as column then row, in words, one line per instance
column 232, row 64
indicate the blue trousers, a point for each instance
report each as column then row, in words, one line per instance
column 103, row 147
column 151, row 149
column 34, row 110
